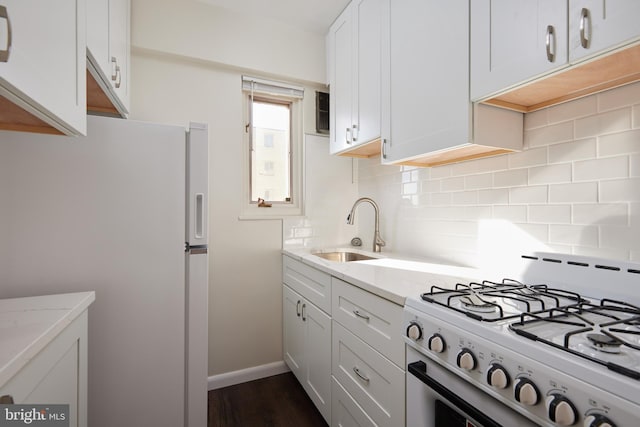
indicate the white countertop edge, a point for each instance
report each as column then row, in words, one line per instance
column 73, row 304
column 424, row 273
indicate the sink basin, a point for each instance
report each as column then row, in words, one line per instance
column 342, row 256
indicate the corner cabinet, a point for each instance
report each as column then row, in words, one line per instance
column 42, row 66
column 108, row 56
column 354, row 43
column 427, row 116
column 307, row 331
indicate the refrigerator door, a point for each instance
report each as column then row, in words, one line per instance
column 197, row 260
column 106, row 213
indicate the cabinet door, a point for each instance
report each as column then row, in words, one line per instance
column 108, row 41
column 317, row 364
column 598, row 25
column 45, row 69
column 509, row 41
column 368, row 26
column 425, row 77
column 293, row 331
column 341, row 82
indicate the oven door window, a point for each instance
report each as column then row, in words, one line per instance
column 446, row 416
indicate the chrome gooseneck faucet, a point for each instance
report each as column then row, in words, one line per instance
column 378, row 243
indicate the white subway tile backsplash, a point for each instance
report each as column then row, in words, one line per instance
column 572, row 110
column 527, row 195
column 575, row 189
column 620, row 190
column 607, row 168
column 511, row 178
column 526, row 158
column 586, row 192
column 574, row 235
column 619, row 97
column 612, row 121
column 550, row 174
column 619, row 143
column 499, row 196
column 572, row 151
column 550, row 214
column 601, row 213
column 552, row 134
column 478, row 181
column 510, row 213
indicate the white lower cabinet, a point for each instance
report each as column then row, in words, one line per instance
column 307, row 347
column 345, row 412
column 56, row 375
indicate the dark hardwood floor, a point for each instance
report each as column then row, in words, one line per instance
column 278, row 401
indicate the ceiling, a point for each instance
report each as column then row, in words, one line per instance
column 311, row 15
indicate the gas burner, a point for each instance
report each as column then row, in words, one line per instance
column 473, row 302
column 604, row 343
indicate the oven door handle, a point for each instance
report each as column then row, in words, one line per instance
column 419, row 370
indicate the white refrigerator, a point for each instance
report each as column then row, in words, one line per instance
column 122, row 211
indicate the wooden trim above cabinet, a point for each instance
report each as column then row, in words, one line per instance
column 616, row 69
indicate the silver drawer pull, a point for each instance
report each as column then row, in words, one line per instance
column 585, row 35
column 4, row 54
column 360, row 315
column 298, row 308
column 550, row 42
column 360, row 374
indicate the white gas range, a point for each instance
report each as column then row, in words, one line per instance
column 558, row 346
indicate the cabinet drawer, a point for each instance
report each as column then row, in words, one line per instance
column 345, row 411
column 375, row 320
column 375, row 383
column 312, row 284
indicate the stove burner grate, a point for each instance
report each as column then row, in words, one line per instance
column 602, row 325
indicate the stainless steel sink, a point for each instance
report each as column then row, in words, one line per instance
column 342, row 256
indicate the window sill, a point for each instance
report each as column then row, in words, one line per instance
column 253, row 212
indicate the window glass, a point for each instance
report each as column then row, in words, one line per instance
column 271, row 150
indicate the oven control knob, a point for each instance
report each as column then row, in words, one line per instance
column 414, row 331
column 436, row 343
column 466, row 360
column 561, row 410
column 526, row 392
column 497, row 376
column 598, row 420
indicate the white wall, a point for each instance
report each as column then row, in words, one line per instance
column 177, row 77
column 574, row 189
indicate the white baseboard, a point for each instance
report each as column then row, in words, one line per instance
column 245, row 375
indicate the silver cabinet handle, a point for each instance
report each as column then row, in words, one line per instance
column 550, row 42
column 119, row 77
column 585, row 35
column 114, row 68
column 298, row 308
column 304, row 319
column 354, row 133
column 7, row 399
column 360, row 374
column 360, row 315
column 384, row 148
column 347, row 135
column 4, row 54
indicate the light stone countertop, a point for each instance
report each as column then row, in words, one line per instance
column 28, row 324
column 391, row 277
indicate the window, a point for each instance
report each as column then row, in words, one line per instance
column 273, row 143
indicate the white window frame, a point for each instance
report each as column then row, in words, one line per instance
column 266, row 89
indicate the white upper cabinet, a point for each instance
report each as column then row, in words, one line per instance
column 427, row 117
column 599, row 25
column 108, row 56
column 513, row 41
column 42, row 66
column 354, row 75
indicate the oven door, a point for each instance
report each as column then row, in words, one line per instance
column 437, row 397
